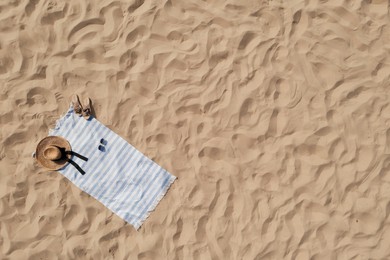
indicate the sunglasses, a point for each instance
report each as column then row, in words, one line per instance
column 102, row 145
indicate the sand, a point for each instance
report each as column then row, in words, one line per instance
column 274, row 116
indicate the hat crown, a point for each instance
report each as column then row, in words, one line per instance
column 52, row 153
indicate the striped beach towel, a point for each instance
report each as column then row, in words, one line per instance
column 118, row 175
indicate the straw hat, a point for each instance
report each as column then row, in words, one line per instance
column 50, row 152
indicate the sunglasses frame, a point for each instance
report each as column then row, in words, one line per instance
column 102, row 147
column 103, row 141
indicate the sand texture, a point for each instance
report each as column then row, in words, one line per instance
column 274, row 115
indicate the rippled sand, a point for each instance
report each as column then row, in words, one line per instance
column 274, row 116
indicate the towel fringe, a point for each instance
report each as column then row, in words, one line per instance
column 61, row 120
column 154, row 205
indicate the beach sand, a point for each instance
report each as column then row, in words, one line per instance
column 274, row 116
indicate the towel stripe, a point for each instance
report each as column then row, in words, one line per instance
column 121, row 178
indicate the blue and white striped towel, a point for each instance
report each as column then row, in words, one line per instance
column 122, row 178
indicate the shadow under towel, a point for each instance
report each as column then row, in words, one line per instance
column 118, row 175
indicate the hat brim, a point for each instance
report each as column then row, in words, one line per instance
column 53, row 141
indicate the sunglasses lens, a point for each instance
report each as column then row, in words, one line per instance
column 101, row 148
